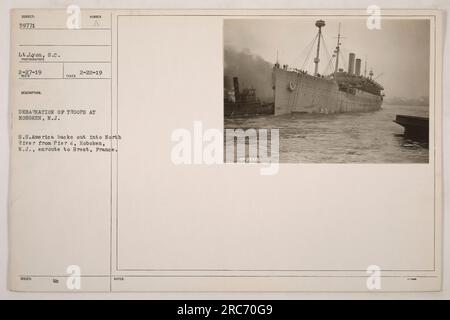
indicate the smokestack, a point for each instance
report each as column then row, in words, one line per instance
column 236, row 88
column 358, row 67
column 351, row 63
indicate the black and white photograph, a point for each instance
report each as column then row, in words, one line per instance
column 338, row 90
column 224, row 153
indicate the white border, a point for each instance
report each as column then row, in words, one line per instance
column 6, row 5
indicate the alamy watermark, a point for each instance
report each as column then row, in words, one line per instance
column 73, row 21
column 74, row 279
column 373, row 281
column 373, row 22
column 206, row 146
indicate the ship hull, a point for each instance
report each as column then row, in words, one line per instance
column 300, row 92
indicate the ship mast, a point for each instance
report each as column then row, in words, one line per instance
column 277, row 64
column 365, row 66
column 319, row 24
column 337, row 50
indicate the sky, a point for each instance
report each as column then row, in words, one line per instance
column 398, row 52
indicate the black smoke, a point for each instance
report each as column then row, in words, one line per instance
column 252, row 70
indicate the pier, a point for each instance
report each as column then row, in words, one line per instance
column 416, row 128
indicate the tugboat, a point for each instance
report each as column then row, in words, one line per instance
column 237, row 103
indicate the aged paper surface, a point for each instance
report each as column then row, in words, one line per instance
column 123, row 177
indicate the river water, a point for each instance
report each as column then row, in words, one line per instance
column 369, row 137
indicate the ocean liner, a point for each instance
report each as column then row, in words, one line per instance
column 341, row 91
